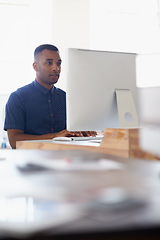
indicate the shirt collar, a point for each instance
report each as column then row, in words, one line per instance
column 41, row 88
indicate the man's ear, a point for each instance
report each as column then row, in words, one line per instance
column 35, row 66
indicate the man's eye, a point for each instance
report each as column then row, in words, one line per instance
column 49, row 63
column 59, row 64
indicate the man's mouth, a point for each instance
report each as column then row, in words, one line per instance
column 54, row 75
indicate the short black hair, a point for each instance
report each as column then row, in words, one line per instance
column 45, row 46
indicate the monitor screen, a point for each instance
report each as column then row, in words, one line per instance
column 101, row 90
column 149, row 102
column 148, row 68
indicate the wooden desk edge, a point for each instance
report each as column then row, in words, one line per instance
column 116, row 142
column 61, row 146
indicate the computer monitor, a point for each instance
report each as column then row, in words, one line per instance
column 101, row 90
column 148, row 79
column 149, row 102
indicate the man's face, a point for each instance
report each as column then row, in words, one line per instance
column 47, row 66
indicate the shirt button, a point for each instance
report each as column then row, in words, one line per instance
column 49, row 101
column 51, row 115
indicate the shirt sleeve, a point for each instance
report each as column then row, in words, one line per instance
column 15, row 113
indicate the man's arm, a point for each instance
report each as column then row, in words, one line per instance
column 15, row 135
column 18, row 135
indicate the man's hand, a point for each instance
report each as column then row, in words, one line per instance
column 66, row 133
column 89, row 133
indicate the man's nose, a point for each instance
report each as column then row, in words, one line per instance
column 55, row 67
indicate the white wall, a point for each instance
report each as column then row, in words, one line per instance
column 125, row 25
column 70, row 28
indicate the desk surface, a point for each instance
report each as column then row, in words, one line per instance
column 116, row 142
column 102, row 210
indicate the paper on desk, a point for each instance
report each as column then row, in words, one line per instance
column 70, row 165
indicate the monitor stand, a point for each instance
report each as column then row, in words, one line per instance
column 124, row 141
column 127, row 113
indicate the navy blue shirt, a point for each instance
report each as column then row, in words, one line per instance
column 36, row 110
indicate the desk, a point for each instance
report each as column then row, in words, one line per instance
column 116, row 142
column 140, row 178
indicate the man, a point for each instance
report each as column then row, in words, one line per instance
column 38, row 110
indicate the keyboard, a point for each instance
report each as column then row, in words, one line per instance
column 96, row 138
